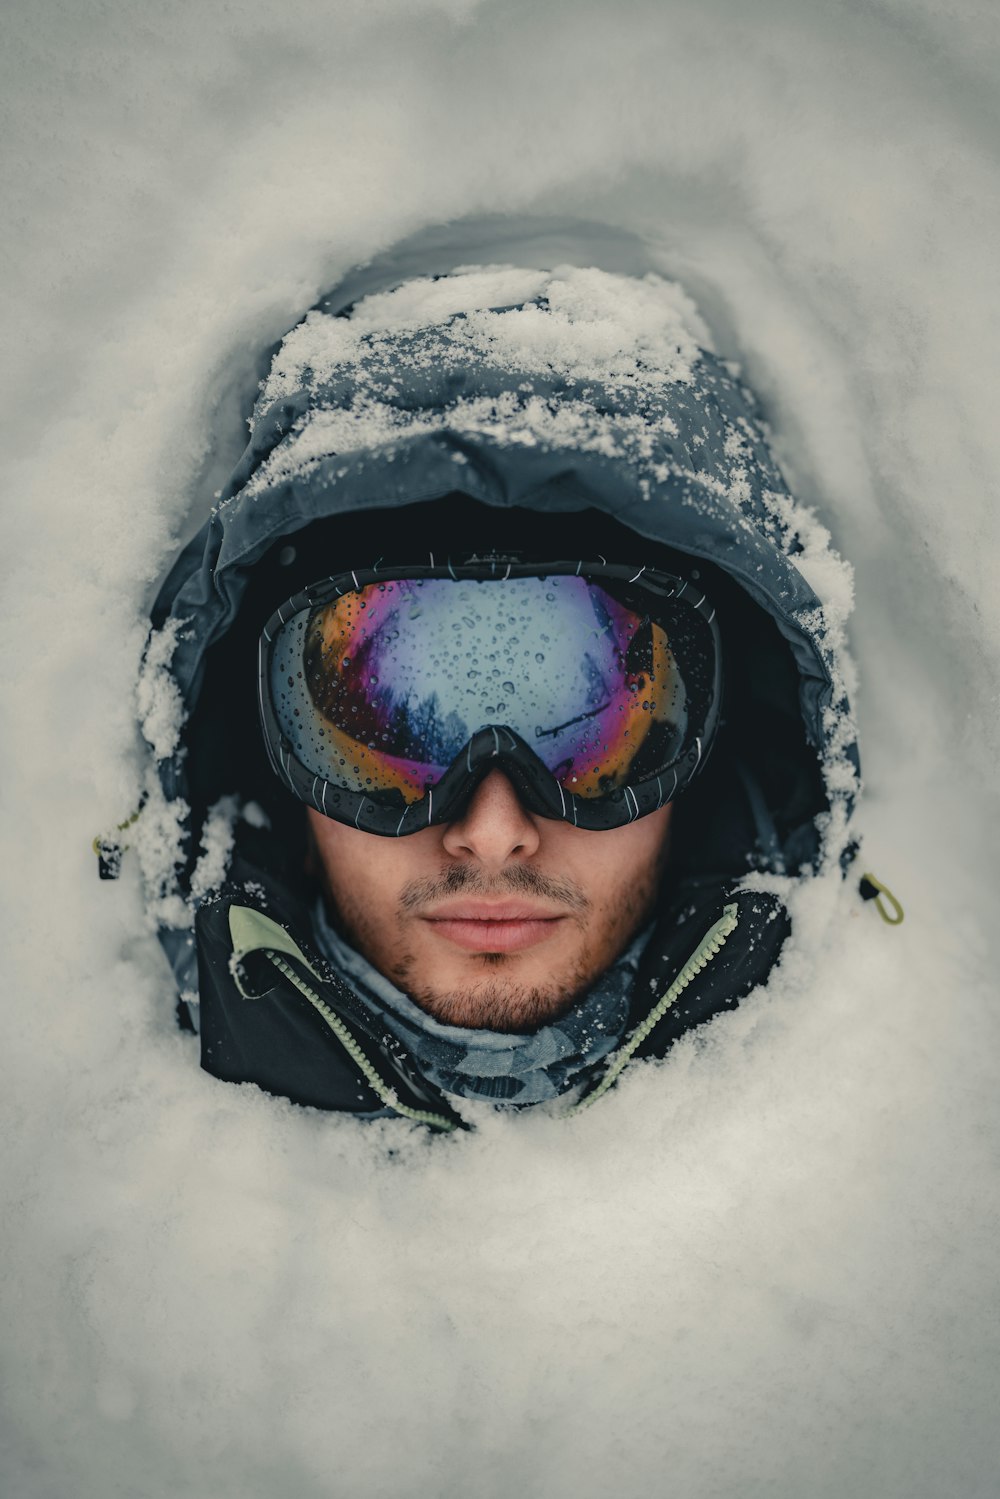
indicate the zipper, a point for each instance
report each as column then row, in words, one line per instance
column 378, row 1084
column 708, row 948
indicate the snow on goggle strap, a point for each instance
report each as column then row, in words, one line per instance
column 387, row 693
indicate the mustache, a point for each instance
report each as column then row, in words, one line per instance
column 519, row 879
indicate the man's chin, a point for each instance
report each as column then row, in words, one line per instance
column 496, row 1004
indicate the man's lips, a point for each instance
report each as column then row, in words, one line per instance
column 494, row 926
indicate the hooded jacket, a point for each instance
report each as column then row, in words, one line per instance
column 567, row 412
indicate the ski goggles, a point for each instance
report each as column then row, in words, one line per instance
column 388, row 694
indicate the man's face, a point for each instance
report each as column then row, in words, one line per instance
column 499, row 920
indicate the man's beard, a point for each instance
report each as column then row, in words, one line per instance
column 498, row 1001
column 498, row 1004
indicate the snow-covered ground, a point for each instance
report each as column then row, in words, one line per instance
column 764, row 1267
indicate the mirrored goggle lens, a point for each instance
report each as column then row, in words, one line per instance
column 381, row 689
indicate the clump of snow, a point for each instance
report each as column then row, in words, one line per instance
column 158, row 839
column 217, row 837
column 510, row 417
column 802, row 534
column 762, row 1267
column 829, row 575
column 158, row 698
column 254, row 814
column 589, row 324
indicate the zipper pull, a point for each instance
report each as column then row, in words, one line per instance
column 886, row 904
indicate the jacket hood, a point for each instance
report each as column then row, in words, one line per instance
column 571, row 402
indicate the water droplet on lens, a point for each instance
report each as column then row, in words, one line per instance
column 509, row 687
column 539, row 656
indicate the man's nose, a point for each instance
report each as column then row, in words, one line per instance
column 495, row 827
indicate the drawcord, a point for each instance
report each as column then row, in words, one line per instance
column 109, row 850
column 709, row 946
column 886, row 904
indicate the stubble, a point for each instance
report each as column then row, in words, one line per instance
column 498, row 1000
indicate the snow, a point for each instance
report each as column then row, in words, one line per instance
column 593, row 326
column 217, row 839
column 631, row 334
column 764, row 1267
column 159, row 706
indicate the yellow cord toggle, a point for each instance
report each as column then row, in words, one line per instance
column 886, row 904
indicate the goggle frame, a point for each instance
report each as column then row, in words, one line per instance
column 493, row 746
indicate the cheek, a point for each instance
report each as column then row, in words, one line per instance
column 363, row 873
column 608, row 865
column 362, row 882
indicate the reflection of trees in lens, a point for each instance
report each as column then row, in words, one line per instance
column 339, row 686
column 638, row 723
column 352, row 693
column 422, row 732
column 598, row 692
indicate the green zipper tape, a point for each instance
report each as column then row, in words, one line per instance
column 252, row 931
column 387, row 1093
